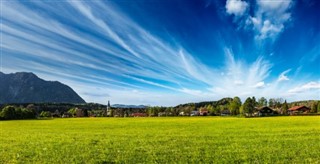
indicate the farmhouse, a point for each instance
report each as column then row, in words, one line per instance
column 195, row 113
column 182, row 114
column 139, row 115
column 299, row 109
column 225, row 112
column 265, row 111
column 203, row 112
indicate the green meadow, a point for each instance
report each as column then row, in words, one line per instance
column 293, row 139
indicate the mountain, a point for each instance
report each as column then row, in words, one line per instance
column 22, row 87
column 128, row 106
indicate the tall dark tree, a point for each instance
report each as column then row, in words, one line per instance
column 248, row 107
column 271, row 103
column 262, row 102
column 314, row 107
column 111, row 112
column 254, row 101
column 278, row 102
column 285, row 107
column 85, row 113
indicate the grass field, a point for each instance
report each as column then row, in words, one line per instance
column 162, row 140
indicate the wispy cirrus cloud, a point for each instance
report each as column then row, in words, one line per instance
column 306, row 87
column 283, row 77
column 104, row 54
column 253, row 79
column 59, row 49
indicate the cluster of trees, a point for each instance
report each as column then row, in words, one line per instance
column 231, row 106
column 15, row 113
column 251, row 105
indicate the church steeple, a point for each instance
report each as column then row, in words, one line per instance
column 108, row 108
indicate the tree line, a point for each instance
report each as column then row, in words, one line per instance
column 16, row 113
column 229, row 106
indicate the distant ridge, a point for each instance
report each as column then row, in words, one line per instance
column 128, row 106
column 23, row 87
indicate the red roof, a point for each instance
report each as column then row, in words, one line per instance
column 298, row 107
column 139, row 114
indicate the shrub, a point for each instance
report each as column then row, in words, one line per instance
column 8, row 113
column 45, row 114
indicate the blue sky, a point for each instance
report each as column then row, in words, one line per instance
column 167, row 52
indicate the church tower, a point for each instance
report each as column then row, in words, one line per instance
column 108, row 107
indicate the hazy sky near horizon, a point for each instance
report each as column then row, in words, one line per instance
column 167, row 52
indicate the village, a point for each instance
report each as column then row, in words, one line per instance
column 127, row 112
column 223, row 107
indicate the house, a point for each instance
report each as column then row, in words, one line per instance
column 203, row 112
column 182, row 114
column 225, row 112
column 139, row 114
column 265, row 111
column 298, row 109
column 195, row 113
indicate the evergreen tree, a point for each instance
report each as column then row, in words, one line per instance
column 314, row 107
column 285, row 108
column 254, row 101
column 262, row 102
column 271, row 103
column 111, row 112
column 248, row 106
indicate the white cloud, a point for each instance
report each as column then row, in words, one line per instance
column 274, row 5
column 238, row 82
column 127, row 64
column 192, row 92
column 269, row 30
column 241, row 79
column 252, row 79
column 259, row 85
column 135, row 91
column 87, row 11
column 236, row 7
column 306, row 87
column 283, row 77
column 268, row 19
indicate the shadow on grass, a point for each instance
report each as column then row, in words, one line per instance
column 35, row 119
